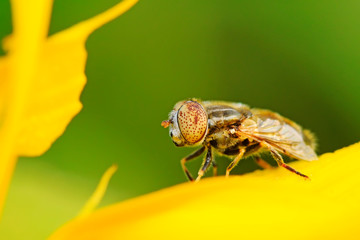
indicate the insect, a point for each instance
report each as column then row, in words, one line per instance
column 236, row 131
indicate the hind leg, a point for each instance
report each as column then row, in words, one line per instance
column 278, row 158
column 262, row 163
column 215, row 167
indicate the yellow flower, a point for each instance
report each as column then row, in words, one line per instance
column 41, row 81
column 267, row 204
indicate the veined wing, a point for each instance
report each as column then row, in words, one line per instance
column 284, row 135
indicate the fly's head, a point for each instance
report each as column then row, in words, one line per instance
column 188, row 123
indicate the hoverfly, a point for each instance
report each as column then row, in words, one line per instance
column 236, row 131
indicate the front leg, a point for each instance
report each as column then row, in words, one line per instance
column 205, row 165
column 189, row 157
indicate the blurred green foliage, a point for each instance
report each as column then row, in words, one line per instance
column 298, row 58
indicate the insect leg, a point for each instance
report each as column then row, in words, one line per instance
column 235, row 161
column 205, row 165
column 281, row 163
column 278, row 158
column 215, row 167
column 189, row 157
column 262, row 163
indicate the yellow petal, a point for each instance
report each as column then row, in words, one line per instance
column 99, row 192
column 4, row 72
column 60, row 79
column 44, row 78
column 267, row 204
column 18, row 69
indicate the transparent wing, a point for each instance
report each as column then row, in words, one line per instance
column 282, row 134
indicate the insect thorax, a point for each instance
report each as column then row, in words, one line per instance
column 223, row 134
column 221, row 115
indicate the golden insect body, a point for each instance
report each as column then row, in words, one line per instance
column 236, row 131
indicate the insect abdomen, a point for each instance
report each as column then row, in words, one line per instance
column 309, row 138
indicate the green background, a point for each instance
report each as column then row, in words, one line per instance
column 298, row 58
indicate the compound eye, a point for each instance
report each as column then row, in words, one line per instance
column 192, row 120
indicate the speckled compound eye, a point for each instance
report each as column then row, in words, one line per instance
column 192, row 120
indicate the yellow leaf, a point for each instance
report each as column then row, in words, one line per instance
column 267, row 204
column 41, row 79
